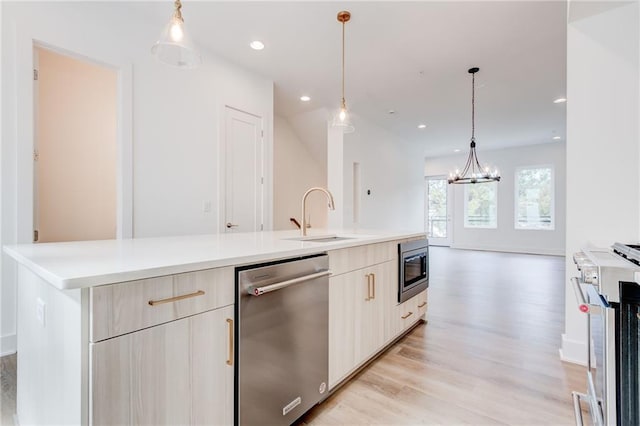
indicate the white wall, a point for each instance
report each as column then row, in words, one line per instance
column 602, row 142
column 392, row 169
column 295, row 170
column 176, row 121
column 505, row 237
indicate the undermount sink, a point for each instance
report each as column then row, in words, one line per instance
column 320, row 238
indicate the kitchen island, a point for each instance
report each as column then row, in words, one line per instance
column 141, row 330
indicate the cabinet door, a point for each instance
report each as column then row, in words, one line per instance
column 378, row 279
column 175, row 373
column 212, row 371
column 345, row 321
column 356, row 317
column 393, row 310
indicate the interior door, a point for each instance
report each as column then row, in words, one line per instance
column 438, row 210
column 244, row 172
column 75, row 153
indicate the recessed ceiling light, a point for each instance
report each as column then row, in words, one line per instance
column 257, row 45
column 305, row 98
column 556, row 138
column 560, row 100
column 391, row 112
column 421, row 126
column 456, row 150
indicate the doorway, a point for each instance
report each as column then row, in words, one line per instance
column 243, row 187
column 438, row 211
column 75, row 148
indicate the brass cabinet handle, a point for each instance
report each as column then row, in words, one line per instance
column 230, row 326
column 368, row 288
column 422, row 304
column 407, row 316
column 176, row 298
column 373, row 284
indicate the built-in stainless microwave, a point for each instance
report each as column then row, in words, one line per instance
column 413, row 267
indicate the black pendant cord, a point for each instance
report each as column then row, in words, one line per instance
column 473, row 109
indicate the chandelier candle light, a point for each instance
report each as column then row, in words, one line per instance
column 341, row 119
column 473, row 172
column 174, row 47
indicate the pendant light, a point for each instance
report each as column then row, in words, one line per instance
column 473, row 172
column 341, row 118
column 174, row 47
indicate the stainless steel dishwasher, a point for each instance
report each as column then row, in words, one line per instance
column 283, row 312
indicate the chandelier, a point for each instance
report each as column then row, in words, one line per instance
column 473, row 172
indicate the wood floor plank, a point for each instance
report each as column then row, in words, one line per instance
column 488, row 354
column 8, row 368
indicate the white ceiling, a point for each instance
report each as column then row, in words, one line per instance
column 411, row 57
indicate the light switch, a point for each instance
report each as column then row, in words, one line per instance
column 206, row 206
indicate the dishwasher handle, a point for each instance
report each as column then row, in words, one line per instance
column 259, row 291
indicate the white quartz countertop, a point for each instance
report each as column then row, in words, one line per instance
column 92, row 263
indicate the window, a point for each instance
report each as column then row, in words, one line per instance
column 534, row 198
column 481, row 205
column 437, row 208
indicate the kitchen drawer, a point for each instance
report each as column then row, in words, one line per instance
column 121, row 308
column 399, row 317
column 413, row 309
column 353, row 258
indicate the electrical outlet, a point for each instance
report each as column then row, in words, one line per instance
column 206, row 206
column 41, row 311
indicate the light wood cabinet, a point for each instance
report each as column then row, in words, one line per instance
column 180, row 372
column 364, row 313
column 106, row 355
column 121, row 308
column 356, row 317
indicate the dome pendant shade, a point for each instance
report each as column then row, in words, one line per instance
column 174, row 46
column 473, row 172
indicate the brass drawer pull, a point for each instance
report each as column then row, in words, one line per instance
column 176, row 298
column 368, row 288
column 407, row 316
column 230, row 358
column 373, row 280
column 422, row 304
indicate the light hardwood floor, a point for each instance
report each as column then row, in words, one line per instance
column 488, row 354
column 8, row 386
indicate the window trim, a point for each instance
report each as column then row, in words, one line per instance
column 466, row 201
column 516, row 188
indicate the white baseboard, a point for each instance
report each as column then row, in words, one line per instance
column 8, row 345
column 523, row 250
column 573, row 351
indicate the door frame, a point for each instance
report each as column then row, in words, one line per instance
column 448, row 241
column 222, row 170
column 26, row 42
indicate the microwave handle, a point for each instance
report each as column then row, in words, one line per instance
column 423, row 260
